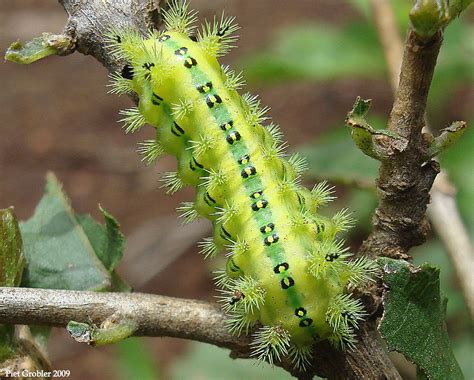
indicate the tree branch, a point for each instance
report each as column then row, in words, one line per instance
column 443, row 211
column 154, row 315
column 180, row 318
column 405, row 179
column 90, row 21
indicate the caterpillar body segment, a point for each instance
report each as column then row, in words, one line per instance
column 286, row 269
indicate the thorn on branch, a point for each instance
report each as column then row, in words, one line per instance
column 378, row 144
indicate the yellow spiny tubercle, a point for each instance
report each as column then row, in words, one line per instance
column 286, row 269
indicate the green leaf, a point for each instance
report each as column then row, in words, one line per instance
column 457, row 6
column 59, row 253
column 106, row 240
column 108, row 244
column 447, row 138
column 368, row 139
column 413, row 320
column 434, row 253
column 12, row 260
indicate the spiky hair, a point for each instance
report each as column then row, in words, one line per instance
column 233, row 81
column 151, row 150
column 254, row 113
column 187, row 212
column 270, row 343
column 208, row 247
column 172, row 182
column 300, row 356
column 244, row 295
column 178, row 17
column 217, row 37
column 133, row 120
column 322, row 194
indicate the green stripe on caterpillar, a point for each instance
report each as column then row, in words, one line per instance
column 286, row 268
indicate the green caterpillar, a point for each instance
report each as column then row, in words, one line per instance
column 286, row 269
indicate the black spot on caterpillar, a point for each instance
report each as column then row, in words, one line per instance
column 156, row 100
column 248, row 171
column 280, row 268
column 256, row 206
column 177, row 130
column 205, row 88
column 269, row 240
column 287, row 282
column 127, row 72
column 267, row 228
column 212, row 100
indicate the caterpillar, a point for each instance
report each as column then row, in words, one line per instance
column 287, row 269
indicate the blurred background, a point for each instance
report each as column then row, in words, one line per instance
column 56, row 115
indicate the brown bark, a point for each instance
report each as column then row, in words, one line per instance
column 405, row 179
column 201, row 321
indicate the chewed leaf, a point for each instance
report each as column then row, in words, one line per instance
column 413, row 319
column 67, row 251
column 106, row 239
column 378, row 144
